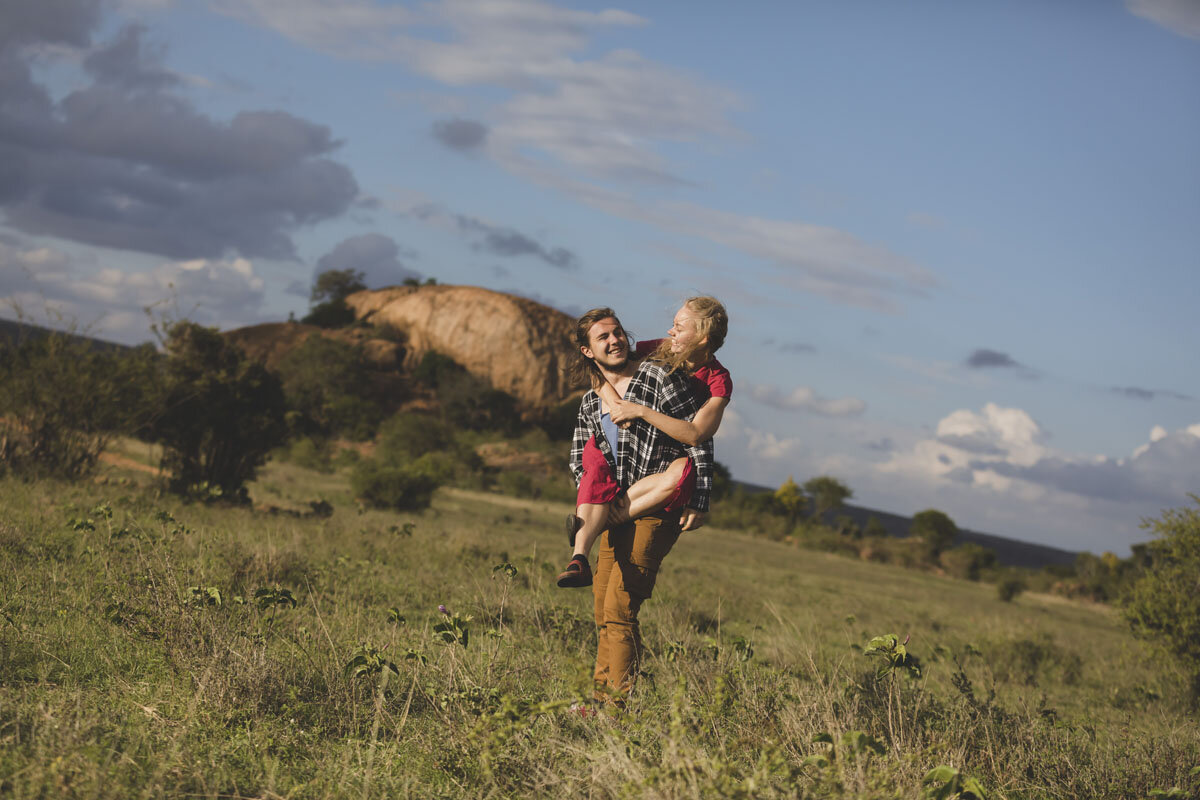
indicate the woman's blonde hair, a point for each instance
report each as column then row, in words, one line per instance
column 712, row 325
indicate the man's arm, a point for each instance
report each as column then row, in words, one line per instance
column 579, row 439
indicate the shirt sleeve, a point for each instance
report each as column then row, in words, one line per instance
column 579, row 439
column 679, row 402
column 720, row 382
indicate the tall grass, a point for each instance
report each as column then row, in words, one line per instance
column 137, row 661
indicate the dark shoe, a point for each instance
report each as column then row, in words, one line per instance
column 574, row 523
column 577, row 574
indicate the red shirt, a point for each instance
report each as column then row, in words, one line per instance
column 710, row 380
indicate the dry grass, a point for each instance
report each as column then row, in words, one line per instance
column 121, row 675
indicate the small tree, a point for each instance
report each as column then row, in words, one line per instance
column 934, row 528
column 791, row 499
column 64, row 397
column 222, row 413
column 328, row 297
column 1164, row 603
column 336, row 284
column 827, row 494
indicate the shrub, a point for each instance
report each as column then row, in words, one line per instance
column 310, row 453
column 222, row 413
column 1164, row 603
column 467, row 401
column 388, row 486
column 63, row 399
column 1008, row 589
column 967, row 560
column 516, row 484
column 330, row 386
column 407, row 437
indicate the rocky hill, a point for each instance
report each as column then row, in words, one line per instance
column 518, row 346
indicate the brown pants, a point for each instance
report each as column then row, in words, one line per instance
column 627, row 564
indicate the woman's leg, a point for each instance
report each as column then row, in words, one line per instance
column 651, row 493
column 596, row 490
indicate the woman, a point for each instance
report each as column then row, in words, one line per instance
column 697, row 332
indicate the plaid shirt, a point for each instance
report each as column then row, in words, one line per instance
column 644, row 449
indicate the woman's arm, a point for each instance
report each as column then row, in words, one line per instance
column 700, row 429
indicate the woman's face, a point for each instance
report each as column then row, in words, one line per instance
column 684, row 330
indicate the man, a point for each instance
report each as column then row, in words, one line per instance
column 630, row 554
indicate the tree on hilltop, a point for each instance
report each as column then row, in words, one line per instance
column 328, row 297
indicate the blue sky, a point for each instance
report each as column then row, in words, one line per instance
column 959, row 242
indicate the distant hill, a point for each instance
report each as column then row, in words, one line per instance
column 1009, row 552
column 13, row 331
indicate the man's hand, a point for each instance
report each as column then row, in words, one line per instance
column 618, row 510
column 692, row 519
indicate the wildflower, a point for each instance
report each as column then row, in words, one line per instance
column 443, row 610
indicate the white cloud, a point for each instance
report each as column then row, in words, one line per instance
column 571, row 119
column 49, row 285
column 1179, row 16
column 1003, row 452
column 804, row 398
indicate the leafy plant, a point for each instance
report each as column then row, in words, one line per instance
column 205, row 596
column 274, row 598
column 454, row 628
column 894, row 658
column 368, row 661
column 892, row 655
column 947, row 783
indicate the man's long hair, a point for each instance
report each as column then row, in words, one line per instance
column 712, row 325
column 584, row 371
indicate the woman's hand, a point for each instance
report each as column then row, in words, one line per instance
column 624, row 412
column 692, row 519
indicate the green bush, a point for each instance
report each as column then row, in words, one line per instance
column 63, row 399
column 407, row 437
column 449, row 468
column 221, row 414
column 387, row 486
column 516, row 484
column 310, row 453
column 967, row 560
column 1164, row 603
column 331, row 389
column 467, row 402
column 1008, row 589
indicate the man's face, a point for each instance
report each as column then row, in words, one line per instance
column 608, row 345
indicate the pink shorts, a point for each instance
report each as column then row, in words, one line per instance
column 598, row 484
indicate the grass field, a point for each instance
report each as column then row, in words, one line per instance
column 151, row 649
